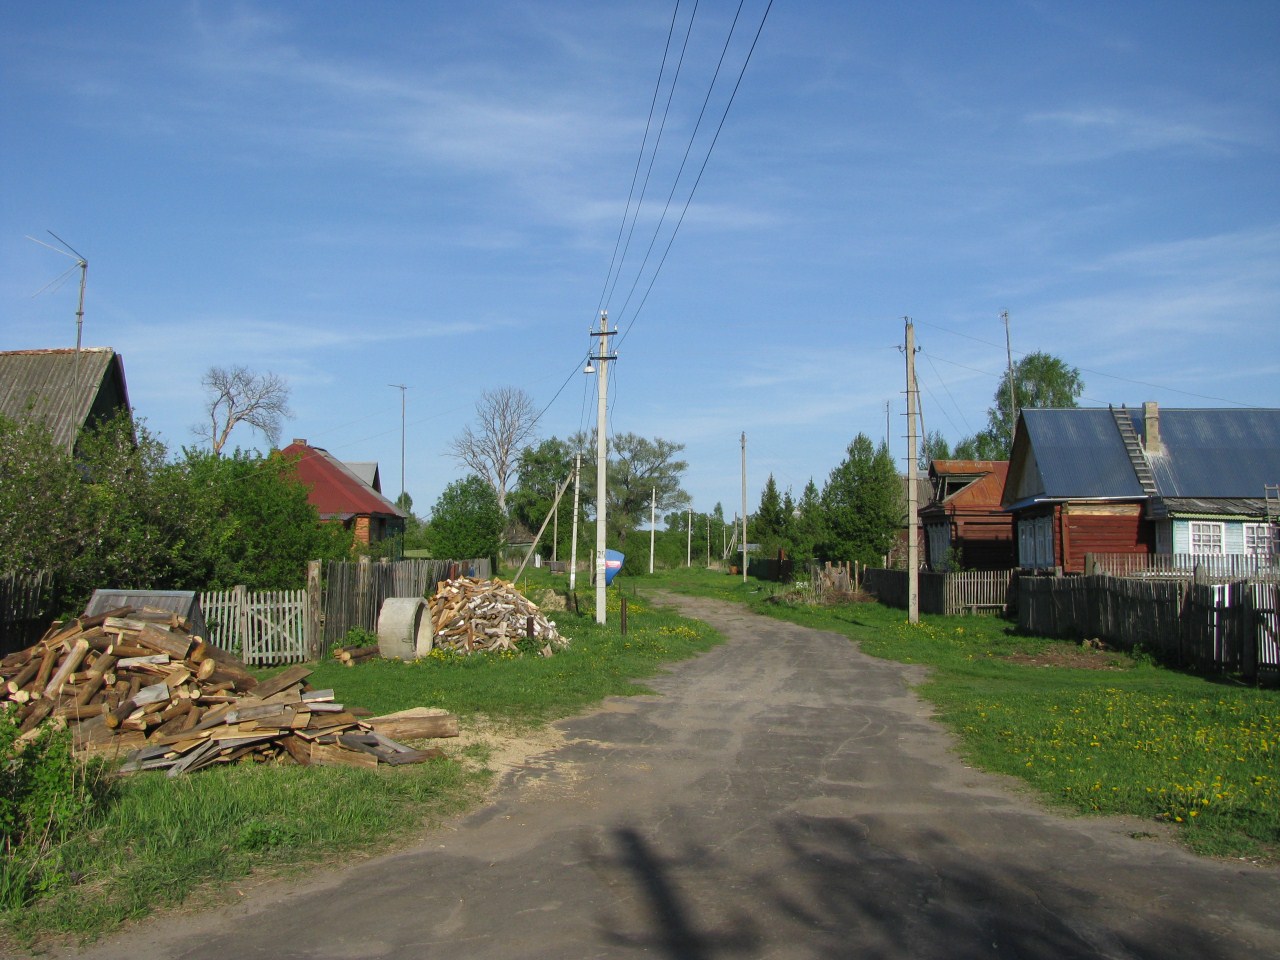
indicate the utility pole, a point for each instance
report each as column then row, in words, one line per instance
column 1008, row 352
column 708, row 541
column 603, row 357
column 688, row 547
column 744, row 506
column 573, row 550
column 913, row 520
column 402, row 388
column 886, row 425
column 653, row 521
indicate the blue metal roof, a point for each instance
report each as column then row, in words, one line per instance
column 1215, row 453
column 1080, row 454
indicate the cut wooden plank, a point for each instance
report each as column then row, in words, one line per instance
column 336, row 756
column 414, row 756
column 315, row 696
column 153, row 659
column 297, row 748
column 177, row 645
column 281, row 681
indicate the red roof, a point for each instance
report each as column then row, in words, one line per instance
column 334, row 490
column 984, row 492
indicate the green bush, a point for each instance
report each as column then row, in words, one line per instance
column 45, row 796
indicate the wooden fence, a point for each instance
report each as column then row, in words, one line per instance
column 259, row 626
column 945, row 593
column 1224, row 627
column 353, row 591
column 1206, row 567
column 24, row 612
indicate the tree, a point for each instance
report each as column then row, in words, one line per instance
column 238, row 396
column 505, row 418
column 466, row 522
column 638, row 467
column 863, row 504
column 252, row 523
column 1040, row 380
column 933, row 447
column 769, row 526
column 540, row 469
column 810, row 526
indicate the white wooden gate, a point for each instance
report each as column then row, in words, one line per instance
column 259, row 626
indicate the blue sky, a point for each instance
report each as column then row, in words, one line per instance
column 359, row 194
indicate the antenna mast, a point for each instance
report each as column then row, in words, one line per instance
column 83, row 264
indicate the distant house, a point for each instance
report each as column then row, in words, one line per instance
column 1174, row 481
column 341, row 495
column 963, row 520
column 66, row 390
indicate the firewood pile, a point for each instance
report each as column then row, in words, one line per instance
column 472, row 615
column 134, row 683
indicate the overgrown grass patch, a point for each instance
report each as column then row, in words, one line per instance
column 1202, row 754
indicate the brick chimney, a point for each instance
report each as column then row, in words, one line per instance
column 1151, row 421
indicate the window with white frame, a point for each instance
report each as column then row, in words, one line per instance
column 1261, row 539
column 1206, row 538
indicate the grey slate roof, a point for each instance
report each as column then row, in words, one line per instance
column 62, row 390
column 1216, row 453
column 1213, row 460
column 1080, row 454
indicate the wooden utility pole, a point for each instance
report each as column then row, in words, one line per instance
column 744, row 506
column 1008, row 352
column 402, row 388
column 653, row 523
column 913, row 520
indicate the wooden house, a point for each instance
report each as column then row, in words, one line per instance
column 1145, row 482
column 963, row 519
column 341, row 495
column 68, row 390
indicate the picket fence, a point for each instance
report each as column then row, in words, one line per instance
column 944, row 593
column 260, row 626
column 1211, row 627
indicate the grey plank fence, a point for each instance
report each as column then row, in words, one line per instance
column 948, row 594
column 260, row 626
column 24, row 609
column 1205, row 567
column 1224, row 627
column 353, row 591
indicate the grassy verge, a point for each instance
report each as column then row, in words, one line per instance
column 1093, row 732
column 154, row 842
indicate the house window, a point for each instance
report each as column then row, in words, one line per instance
column 1261, row 539
column 1206, row 538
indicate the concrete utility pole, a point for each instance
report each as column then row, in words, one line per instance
column 913, row 520
column 744, row 506
column 573, row 550
column 603, row 357
column 653, row 521
column 688, row 547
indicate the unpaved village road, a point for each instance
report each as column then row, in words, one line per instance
column 784, row 796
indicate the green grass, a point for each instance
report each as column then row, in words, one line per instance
column 1200, row 753
column 157, row 842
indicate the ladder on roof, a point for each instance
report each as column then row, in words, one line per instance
column 1133, row 446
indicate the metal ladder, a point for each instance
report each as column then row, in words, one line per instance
column 1133, row 446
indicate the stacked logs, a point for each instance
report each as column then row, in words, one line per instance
column 134, row 683
column 471, row 615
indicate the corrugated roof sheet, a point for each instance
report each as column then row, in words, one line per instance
column 62, row 389
column 1215, row 453
column 335, row 489
column 1080, row 454
column 367, row 471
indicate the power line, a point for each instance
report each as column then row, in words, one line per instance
column 1098, row 373
column 701, row 171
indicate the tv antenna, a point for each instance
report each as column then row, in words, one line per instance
column 81, row 263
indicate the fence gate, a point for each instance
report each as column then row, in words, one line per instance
column 259, row 626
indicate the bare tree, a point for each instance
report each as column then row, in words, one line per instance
column 238, row 396
column 505, row 418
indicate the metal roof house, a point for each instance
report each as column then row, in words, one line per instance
column 1150, row 481
column 66, row 390
column 963, row 520
column 340, row 495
